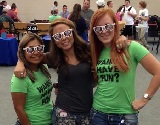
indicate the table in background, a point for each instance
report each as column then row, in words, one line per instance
column 8, row 51
column 46, row 40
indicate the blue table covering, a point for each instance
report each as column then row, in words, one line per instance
column 47, row 37
column 8, row 51
column 46, row 40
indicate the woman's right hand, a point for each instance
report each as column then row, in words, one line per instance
column 20, row 70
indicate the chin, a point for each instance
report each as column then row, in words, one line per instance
column 36, row 62
column 106, row 41
column 67, row 48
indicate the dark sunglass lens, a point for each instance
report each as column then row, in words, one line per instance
column 59, row 36
column 109, row 27
column 30, row 49
column 56, row 37
column 40, row 48
column 67, row 33
column 98, row 29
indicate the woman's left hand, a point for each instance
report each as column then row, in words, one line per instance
column 139, row 104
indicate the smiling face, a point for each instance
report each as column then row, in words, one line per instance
column 36, row 56
column 107, row 33
column 65, row 34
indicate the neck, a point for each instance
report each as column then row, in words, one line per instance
column 70, row 57
column 34, row 67
column 107, row 45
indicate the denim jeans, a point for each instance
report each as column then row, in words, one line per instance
column 17, row 122
column 100, row 118
column 61, row 117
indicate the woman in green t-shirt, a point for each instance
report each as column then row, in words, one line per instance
column 114, row 100
column 31, row 95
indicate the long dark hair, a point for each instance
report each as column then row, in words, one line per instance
column 76, row 13
column 56, row 55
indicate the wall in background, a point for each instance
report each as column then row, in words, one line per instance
column 40, row 9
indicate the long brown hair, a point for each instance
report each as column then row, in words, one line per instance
column 76, row 13
column 56, row 55
column 21, row 55
column 117, row 58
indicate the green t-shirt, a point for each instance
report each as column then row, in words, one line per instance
column 53, row 17
column 38, row 105
column 116, row 90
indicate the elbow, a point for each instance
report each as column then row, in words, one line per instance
column 18, row 109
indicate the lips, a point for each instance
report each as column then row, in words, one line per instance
column 105, row 35
column 64, row 43
column 36, row 58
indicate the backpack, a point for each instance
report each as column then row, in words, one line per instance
column 128, row 9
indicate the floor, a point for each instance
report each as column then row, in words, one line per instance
column 149, row 115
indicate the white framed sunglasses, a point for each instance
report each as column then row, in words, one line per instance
column 107, row 27
column 30, row 50
column 66, row 33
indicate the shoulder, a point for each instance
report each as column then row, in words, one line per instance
column 137, row 50
column 19, row 84
column 133, row 8
column 146, row 10
column 90, row 10
column 60, row 12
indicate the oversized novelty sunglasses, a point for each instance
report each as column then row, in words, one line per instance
column 31, row 50
column 66, row 33
column 107, row 27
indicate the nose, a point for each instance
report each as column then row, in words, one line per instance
column 63, row 37
column 104, row 30
column 35, row 52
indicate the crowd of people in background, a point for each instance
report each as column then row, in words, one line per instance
column 125, row 13
column 8, row 14
column 86, row 51
column 11, row 11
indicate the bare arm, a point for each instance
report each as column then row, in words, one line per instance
column 19, row 100
column 145, row 18
column 152, row 66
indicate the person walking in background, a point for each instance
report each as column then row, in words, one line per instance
column 128, row 14
column 64, row 13
column 32, row 95
column 5, row 18
column 110, row 4
column 16, row 10
column 115, row 73
column 100, row 4
column 87, row 12
column 54, row 15
column 11, row 13
column 142, row 23
column 79, row 21
column 5, row 5
column 1, row 8
column 55, row 5
column 118, row 13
